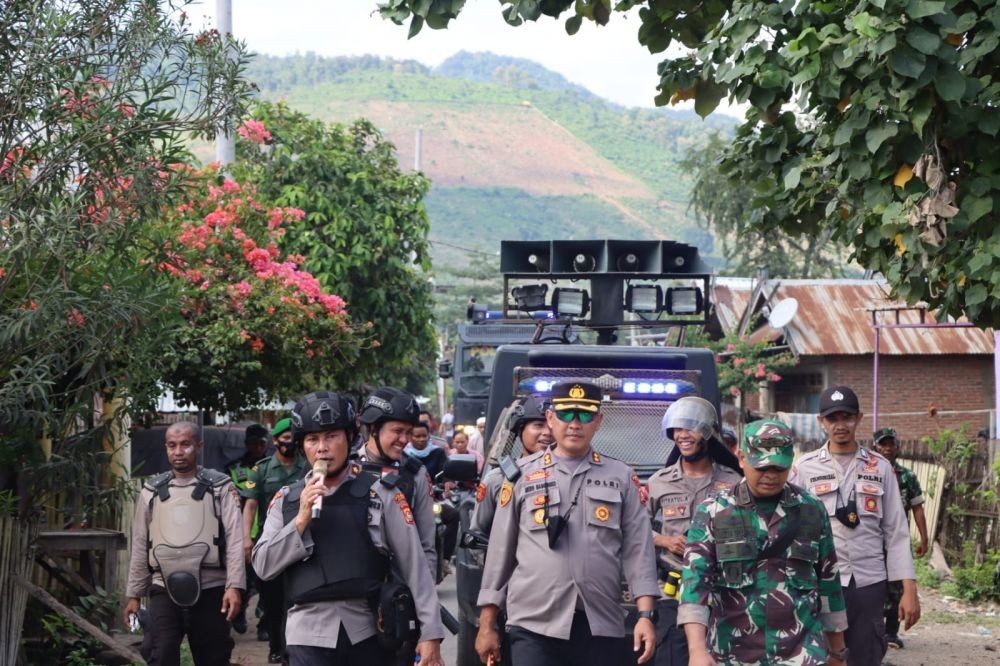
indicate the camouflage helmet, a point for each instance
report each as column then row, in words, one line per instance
column 691, row 413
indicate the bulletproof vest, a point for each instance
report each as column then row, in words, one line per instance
column 345, row 563
column 403, row 478
column 185, row 532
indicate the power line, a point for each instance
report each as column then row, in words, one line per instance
column 459, row 247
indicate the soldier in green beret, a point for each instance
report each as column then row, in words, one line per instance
column 266, row 478
column 760, row 580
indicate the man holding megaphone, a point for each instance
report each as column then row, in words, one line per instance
column 336, row 535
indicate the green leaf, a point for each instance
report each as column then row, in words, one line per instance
column 876, row 136
column 792, row 177
column 922, row 110
column 923, row 40
column 864, row 24
column 907, row 62
column 976, row 207
column 949, row 83
column 921, row 8
column 707, row 96
column 573, row 24
column 975, row 294
column 989, row 123
column 416, row 24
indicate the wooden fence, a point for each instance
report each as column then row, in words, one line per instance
column 962, row 502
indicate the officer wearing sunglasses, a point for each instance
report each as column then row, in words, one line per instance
column 563, row 534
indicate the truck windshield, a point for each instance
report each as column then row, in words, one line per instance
column 478, row 360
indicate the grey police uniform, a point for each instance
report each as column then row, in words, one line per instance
column 391, row 529
column 673, row 499
column 607, row 534
column 878, row 546
column 422, row 502
column 486, row 502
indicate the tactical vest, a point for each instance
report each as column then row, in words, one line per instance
column 737, row 547
column 404, row 478
column 345, row 563
column 185, row 532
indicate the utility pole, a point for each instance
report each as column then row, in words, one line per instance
column 225, row 142
column 416, row 150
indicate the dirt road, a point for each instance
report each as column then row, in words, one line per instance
column 949, row 634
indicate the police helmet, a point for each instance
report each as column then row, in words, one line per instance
column 323, row 411
column 527, row 409
column 691, row 413
column 390, row 404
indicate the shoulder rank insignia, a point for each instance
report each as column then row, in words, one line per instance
column 506, row 493
column 596, row 457
column 643, row 493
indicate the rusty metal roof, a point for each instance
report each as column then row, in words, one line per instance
column 834, row 317
column 730, row 297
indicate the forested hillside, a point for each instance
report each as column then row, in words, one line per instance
column 512, row 148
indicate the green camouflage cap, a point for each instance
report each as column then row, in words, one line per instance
column 883, row 433
column 768, row 443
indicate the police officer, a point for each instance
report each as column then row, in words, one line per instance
column 699, row 466
column 563, row 535
column 267, row 477
column 387, row 418
column 858, row 489
column 334, row 562
column 760, row 567
column 187, row 557
column 885, row 441
column 255, row 442
column 526, row 422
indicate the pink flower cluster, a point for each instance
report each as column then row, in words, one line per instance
column 254, row 132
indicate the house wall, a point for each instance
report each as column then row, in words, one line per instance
column 956, row 385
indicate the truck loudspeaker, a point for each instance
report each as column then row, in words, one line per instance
column 634, row 256
column 525, row 256
column 579, row 256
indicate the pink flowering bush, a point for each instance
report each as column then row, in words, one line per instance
column 259, row 326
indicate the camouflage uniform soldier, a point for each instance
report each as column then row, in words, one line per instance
column 885, row 441
column 760, row 569
column 699, row 466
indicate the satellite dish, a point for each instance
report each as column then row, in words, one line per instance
column 783, row 313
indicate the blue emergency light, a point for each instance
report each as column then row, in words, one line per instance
column 628, row 389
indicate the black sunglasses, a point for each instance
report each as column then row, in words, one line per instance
column 567, row 416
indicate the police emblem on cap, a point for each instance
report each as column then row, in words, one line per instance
column 577, row 392
column 837, row 395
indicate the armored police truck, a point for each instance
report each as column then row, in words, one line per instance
column 612, row 286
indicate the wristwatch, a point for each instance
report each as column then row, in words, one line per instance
column 840, row 654
column 651, row 615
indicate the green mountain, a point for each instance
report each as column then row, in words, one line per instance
column 514, row 150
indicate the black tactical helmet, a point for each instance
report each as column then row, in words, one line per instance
column 323, row 411
column 529, row 408
column 390, row 404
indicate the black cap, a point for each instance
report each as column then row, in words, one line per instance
column 838, row 399
column 576, row 395
column 255, row 431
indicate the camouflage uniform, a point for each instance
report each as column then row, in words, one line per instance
column 770, row 610
column 909, row 487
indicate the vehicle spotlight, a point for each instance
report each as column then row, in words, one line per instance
column 628, row 262
column 572, row 303
column 684, row 300
column 530, row 297
column 646, row 298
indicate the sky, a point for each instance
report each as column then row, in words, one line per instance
column 607, row 60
